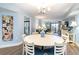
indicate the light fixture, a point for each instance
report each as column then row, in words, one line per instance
column 43, row 10
column 43, row 7
column 42, row 13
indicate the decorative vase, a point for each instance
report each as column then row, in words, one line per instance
column 42, row 33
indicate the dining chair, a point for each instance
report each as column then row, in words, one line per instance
column 49, row 33
column 65, row 36
column 65, row 48
column 29, row 48
column 59, row 49
column 23, row 36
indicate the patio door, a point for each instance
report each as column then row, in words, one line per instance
column 54, row 27
column 27, row 27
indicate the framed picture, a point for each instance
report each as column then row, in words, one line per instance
column 7, row 28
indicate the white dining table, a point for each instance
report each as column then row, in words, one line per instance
column 48, row 40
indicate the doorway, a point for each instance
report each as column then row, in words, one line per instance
column 27, row 26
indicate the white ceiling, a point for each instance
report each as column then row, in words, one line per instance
column 75, row 10
column 57, row 11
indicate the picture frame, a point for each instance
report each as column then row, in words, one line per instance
column 7, row 28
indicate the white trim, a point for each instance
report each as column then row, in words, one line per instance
column 30, row 27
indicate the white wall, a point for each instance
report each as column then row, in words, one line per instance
column 18, row 23
column 33, row 25
column 77, row 30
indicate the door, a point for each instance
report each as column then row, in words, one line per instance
column 54, row 28
column 27, row 27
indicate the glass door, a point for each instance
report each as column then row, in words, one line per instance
column 27, row 27
column 54, row 28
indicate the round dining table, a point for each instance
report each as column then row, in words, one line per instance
column 48, row 40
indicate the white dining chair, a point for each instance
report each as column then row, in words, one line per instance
column 23, row 36
column 59, row 49
column 65, row 48
column 29, row 48
column 65, row 36
column 49, row 33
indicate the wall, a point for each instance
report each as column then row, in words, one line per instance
column 18, row 18
column 33, row 25
column 77, row 30
column 18, row 15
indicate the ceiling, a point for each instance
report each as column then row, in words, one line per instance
column 57, row 11
column 5, row 10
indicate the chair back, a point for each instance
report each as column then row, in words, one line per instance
column 29, row 48
column 23, row 36
column 59, row 49
column 49, row 33
column 65, row 36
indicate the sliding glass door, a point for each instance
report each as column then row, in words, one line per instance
column 54, row 27
column 27, row 27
